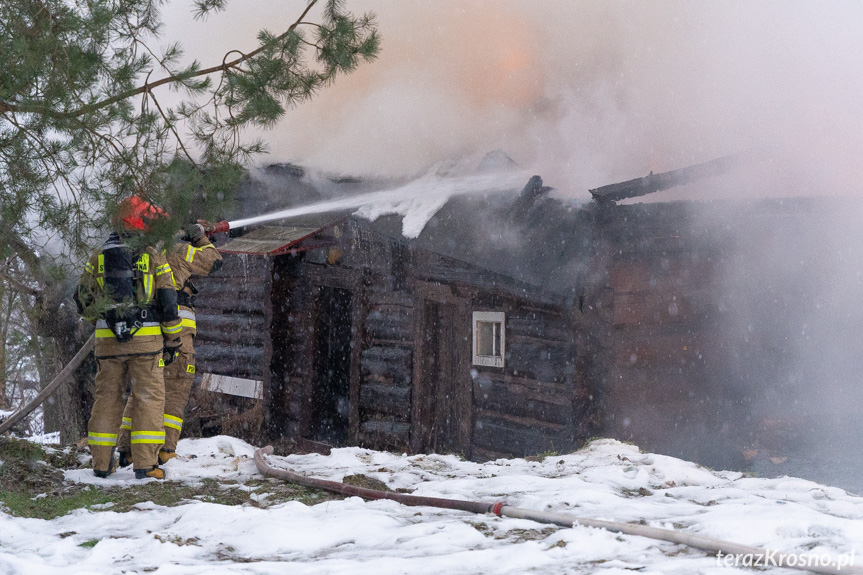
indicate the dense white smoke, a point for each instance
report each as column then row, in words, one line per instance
column 588, row 93
column 584, row 93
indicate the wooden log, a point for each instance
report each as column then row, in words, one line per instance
column 239, row 361
column 542, row 326
column 390, row 323
column 384, row 434
column 670, row 308
column 540, row 361
column 231, row 329
column 519, row 436
column 660, row 351
column 522, row 402
column 662, row 274
column 385, row 400
column 238, row 265
column 379, row 294
column 232, row 297
column 394, row 362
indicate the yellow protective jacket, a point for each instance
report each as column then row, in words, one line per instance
column 152, row 303
column 199, row 258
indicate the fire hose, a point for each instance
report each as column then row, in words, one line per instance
column 62, row 377
column 501, row 509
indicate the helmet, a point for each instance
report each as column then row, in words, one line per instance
column 136, row 213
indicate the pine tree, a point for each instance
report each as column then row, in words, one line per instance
column 83, row 121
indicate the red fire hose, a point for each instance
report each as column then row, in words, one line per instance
column 713, row 546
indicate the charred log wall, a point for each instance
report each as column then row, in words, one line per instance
column 525, row 408
column 233, row 322
column 530, row 405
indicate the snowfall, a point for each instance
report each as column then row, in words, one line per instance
column 605, row 480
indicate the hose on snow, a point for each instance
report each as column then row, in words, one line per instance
column 713, row 546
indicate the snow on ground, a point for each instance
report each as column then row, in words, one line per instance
column 606, row 480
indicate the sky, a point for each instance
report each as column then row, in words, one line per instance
column 606, row 480
column 583, row 93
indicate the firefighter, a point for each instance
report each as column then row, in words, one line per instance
column 130, row 296
column 193, row 255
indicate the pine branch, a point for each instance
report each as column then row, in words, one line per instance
column 172, row 79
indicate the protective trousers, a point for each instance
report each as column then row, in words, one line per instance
column 146, row 379
column 179, row 377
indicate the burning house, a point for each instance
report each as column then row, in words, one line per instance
column 349, row 333
column 523, row 325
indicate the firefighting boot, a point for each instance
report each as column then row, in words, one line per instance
column 125, row 458
column 153, row 472
column 112, row 467
column 165, row 455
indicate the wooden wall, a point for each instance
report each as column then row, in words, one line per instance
column 233, row 317
column 652, row 328
column 529, row 406
column 525, row 408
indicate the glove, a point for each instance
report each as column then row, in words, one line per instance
column 194, row 232
column 171, row 351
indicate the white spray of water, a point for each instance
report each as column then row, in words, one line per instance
column 417, row 201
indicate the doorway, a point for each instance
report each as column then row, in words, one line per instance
column 330, row 398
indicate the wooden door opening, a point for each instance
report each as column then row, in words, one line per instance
column 443, row 390
column 330, row 413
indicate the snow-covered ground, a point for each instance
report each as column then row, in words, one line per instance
column 607, row 480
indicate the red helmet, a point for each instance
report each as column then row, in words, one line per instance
column 136, row 213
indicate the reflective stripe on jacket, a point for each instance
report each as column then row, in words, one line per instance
column 189, row 260
column 153, row 293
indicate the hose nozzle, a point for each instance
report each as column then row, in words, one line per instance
column 211, row 228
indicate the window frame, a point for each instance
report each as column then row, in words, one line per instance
column 494, row 317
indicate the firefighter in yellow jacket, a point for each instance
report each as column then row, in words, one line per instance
column 131, row 297
column 195, row 255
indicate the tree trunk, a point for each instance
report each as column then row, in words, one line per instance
column 53, row 318
column 67, row 410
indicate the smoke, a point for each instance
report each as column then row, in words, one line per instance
column 785, row 351
column 584, row 93
column 591, row 93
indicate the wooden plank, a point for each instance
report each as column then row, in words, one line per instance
column 251, row 388
column 554, row 330
column 517, row 338
column 267, row 336
column 521, row 422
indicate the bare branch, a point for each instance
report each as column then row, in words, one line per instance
column 172, row 128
